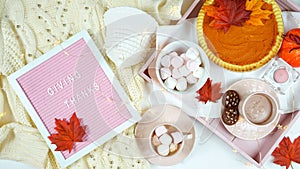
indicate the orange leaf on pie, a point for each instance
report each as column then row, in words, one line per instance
column 287, row 152
column 67, row 133
column 257, row 13
column 227, row 13
column 209, row 92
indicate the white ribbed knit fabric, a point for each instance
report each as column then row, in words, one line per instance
column 30, row 28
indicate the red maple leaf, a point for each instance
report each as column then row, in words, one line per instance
column 209, row 92
column 287, row 152
column 227, row 13
column 296, row 144
column 67, row 133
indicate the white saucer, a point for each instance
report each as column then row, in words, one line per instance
column 242, row 129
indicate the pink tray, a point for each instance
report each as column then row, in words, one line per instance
column 258, row 151
column 288, row 5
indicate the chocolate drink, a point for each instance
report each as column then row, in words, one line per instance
column 258, row 109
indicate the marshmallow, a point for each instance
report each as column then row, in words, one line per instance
column 199, row 61
column 184, row 71
column 166, row 61
column 165, row 139
column 173, row 147
column 185, row 58
column 165, row 73
column 160, row 130
column 155, row 141
column 177, row 137
column 192, row 65
column 170, row 82
column 191, row 79
column 177, row 62
column 163, row 150
column 192, row 53
column 176, row 74
column 199, row 72
column 181, row 84
column 173, row 54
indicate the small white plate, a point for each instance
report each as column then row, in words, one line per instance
column 242, row 129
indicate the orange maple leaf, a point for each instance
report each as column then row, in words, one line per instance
column 287, row 152
column 257, row 13
column 67, row 133
column 209, row 92
column 227, row 13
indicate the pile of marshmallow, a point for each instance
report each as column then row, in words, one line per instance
column 178, row 72
column 166, row 140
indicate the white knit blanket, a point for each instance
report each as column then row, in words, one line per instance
column 30, row 28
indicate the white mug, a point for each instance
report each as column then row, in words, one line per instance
column 171, row 128
column 259, row 108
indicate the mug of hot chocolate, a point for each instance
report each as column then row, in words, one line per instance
column 167, row 139
column 259, row 108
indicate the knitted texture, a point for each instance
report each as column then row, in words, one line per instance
column 30, row 28
column 12, row 55
column 16, row 107
column 22, row 144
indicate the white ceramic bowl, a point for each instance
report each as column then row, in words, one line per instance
column 180, row 47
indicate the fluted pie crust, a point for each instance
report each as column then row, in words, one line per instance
column 241, row 48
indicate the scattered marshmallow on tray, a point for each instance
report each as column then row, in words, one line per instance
column 180, row 72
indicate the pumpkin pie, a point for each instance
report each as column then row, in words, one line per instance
column 240, row 35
